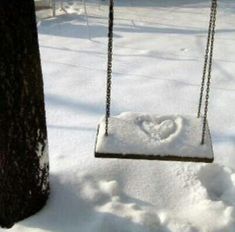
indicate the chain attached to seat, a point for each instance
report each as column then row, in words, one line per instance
column 109, row 65
column 207, row 68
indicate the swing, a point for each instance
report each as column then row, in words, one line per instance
column 154, row 137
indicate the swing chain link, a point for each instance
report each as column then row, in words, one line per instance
column 208, row 64
column 109, row 65
column 205, row 61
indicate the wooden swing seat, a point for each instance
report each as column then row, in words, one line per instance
column 153, row 137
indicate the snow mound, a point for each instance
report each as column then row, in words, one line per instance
column 131, row 212
column 180, row 226
column 116, row 205
column 97, row 192
column 108, row 199
column 212, row 196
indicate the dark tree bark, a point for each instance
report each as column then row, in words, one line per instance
column 24, row 168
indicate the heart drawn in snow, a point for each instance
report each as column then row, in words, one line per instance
column 159, row 131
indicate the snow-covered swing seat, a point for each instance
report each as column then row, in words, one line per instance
column 154, row 137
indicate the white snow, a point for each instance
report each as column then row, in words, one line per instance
column 158, row 58
column 42, row 152
column 144, row 134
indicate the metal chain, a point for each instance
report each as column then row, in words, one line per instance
column 206, row 59
column 214, row 9
column 109, row 65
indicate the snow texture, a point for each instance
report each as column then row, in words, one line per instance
column 144, row 134
column 42, row 153
column 158, row 57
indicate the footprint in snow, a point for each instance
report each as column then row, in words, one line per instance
column 98, row 192
column 131, row 212
column 219, row 183
column 184, row 49
column 106, row 196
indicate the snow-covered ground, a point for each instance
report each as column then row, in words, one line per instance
column 158, row 58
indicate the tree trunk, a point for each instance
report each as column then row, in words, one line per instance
column 24, row 167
